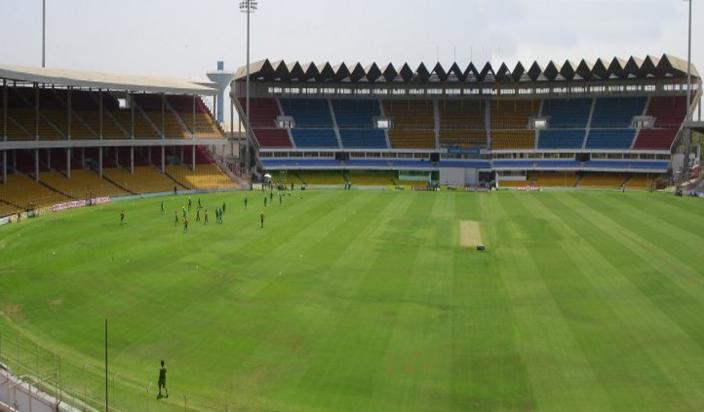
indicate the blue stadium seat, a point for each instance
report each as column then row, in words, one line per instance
column 356, row 114
column 355, row 118
column 567, row 113
column 561, row 139
column 617, row 112
column 308, row 113
column 610, row 138
column 318, row 138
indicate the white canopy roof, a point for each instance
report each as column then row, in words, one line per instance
column 98, row 80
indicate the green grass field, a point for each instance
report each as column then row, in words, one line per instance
column 366, row 301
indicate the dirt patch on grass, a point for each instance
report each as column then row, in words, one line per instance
column 55, row 302
column 470, row 234
column 12, row 311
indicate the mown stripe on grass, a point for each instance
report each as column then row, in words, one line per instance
column 607, row 315
column 561, row 376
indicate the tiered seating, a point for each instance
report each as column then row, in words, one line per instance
column 512, row 139
column 554, row 179
column 26, row 119
column 22, row 191
column 611, row 122
column 205, row 177
column 669, row 112
column 142, row 128
column 145, row 179
column 151, row 105
column 610, row 138
column 314, row 177
column 313, row 123
column 617, row 112
column 205, row 125
column 462, row 123
column 14, row 130
column 7, row 209
column 355, row 120
column 568, row 120
column 602, row 180
column 263, row 119
column 414, row 123
column 372, row 178
column 510, row 122
column 514, row 183
column 81, row 184
column 561, row 139
column 642, row 182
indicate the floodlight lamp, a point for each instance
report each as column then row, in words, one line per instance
column 248, row 6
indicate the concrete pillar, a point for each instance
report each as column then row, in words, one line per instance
column 193, row 158
column 163, row 159
column 149, row 155
column 182, row 158
column 83, row 157
column 4, row 109
column 36, row 165
column 100, row 109
column 48, row 158
column 132, row 160
column 68, row 162
column 193, row 135
column 4, row 166
column 100, row 162
column 36, row 111
column 68, row 113
column 131, row 100
column 163, row 117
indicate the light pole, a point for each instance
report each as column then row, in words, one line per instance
column 43, row 33
column 248, row 7
column 688, row 132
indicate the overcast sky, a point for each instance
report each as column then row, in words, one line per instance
column 186, row 38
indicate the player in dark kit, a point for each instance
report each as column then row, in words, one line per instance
column 265, row 201
column 189, row 203
column 261, row 219
column 122, row 217
column 245, row 202
column 197, row 215
column 162, row 208
column 175, row 218
column 224, row 206
column 185, row 225
column 162, row 380
column 205, row 217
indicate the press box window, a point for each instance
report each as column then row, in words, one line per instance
column 383, row 123
column 285, row 122
column 643, row 122
column 539, row 123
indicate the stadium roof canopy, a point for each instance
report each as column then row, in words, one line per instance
column 111, row 81
column 665, row 67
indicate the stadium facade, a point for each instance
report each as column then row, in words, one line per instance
column 69, row 135
column 469, row 124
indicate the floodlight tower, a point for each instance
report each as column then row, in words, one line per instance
column 688, row 132
column 248, row 7
column 222, row 79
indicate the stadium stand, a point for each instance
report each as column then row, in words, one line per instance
column 602, row 180
column 313, row 122
column 610, row 138
column 669, row 112
column 322, row 177
column 82, row 184
column 205, row 125
column 355, row 120
column 205, row 177
column 510, row 124
column 22, row 192
column 372, row 178
column 611, row 122
column 462, row 123
column 263, row 119
column 641, row 182
column 145, row 179
column 567, row 120
column 413, row 123
column 554, row 179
